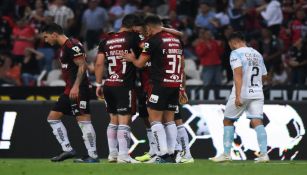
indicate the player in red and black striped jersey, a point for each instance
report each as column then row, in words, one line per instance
column 75, row 99
column 165, row 52
column 119, row 86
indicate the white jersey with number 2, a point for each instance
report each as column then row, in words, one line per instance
column 253, row 69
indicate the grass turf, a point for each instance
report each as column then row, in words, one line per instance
column 200, row 167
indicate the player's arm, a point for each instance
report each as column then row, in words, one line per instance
column 99, row 70
column 82, row 66
column 183, row 98
column 236, row 66
column 172, row 31
column 140, row 62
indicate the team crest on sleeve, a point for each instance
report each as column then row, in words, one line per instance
column 77, row 51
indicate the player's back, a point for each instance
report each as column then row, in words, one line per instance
column 253, row 69
column 120, row 73
column 166, row 54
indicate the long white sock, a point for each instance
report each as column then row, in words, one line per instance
column 112, row 139
column 183, row 139
column 89, row 137
column 171, row 136
column 152, row 143
column 123, row 137
column 60, row 133
column 160, row 137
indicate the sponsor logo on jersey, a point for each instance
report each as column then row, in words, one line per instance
column 114, row 76
column 174, row 77
column 250, row 91
column 115, row 46
column 116, row 40
column 153, row 98
column 64, row 66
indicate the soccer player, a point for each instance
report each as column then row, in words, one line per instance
column 165, row 52
column 118, row 87
column 75, row 99
column 247, row 95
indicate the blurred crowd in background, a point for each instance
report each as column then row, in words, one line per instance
column 276, row 28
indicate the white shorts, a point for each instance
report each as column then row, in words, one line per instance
column 253, row 108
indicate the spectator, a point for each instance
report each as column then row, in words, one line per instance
column 5, row 66
column 116, row 14
column 236, row 14
column 38, row 16
column 61, row 14
column 204, row 17
column 221, row 18
column 272, row 14
column 23, row 37
column 174, row 21
column 280, row 75
column 93, row 20
column 225, row 55
column 29, row 67
column 298, row 26
column 5, row 34
column 209, row 51
column 298, row 62
column 271, row 49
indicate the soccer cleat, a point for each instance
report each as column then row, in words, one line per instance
column 263, row 158
column 144, row 158
column 179, row 156
column 221, row 158
column 64, row 155
column 186, row 160
column 152, row 160
column 112, row 158
column 165, row 159
column 126, row 160
column 87, row 159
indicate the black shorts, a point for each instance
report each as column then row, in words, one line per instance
column 74, row 108
column 142, row 98
column 119, row 100
column 178, row 113
column 163, row 98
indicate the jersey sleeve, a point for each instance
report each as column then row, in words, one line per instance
column 148, row 47
column 264, row 71
column 235, row 60
column 136, row 42
column 101, row 47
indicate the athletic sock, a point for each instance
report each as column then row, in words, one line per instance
column 183, row 139
column 262, row 138
column 60, row 133
column 151, row 142
column 123, row 137
column 112, row 139
column 228, row 138
column 171, row 136
column 89, row 137
column 160, row 137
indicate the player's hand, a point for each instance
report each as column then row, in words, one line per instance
column 74, row 93
column 238, row 102
column 130, row 57
column 99, row 92
column 183, row 98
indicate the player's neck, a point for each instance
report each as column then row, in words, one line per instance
column 156, row 30
column 241, row 45
column 62, row 39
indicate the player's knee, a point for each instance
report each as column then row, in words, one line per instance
column 228, row 122
column 178, row 122
column 54, row 116
column 256, row 122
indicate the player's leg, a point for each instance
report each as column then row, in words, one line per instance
column 231, row 114
column 183, row 140
column 54, row 119
column 255, row 113
column 170, row 130
column 112, row 138
column 89, row 138
column 110, row 102
column 125, row 108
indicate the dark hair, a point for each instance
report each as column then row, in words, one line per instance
column 236, row 35
column 153, row 19
column 131, row 20
column 53, row 27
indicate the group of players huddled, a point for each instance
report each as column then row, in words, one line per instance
column 141, row 51
column 144, row 51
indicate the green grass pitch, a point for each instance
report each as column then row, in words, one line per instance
column 200, row 167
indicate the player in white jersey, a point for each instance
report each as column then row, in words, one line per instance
column 247, row 95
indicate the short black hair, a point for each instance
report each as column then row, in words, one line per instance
column 153, row 19
column 131, row 20
column 236, row 35
column 53, row 27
